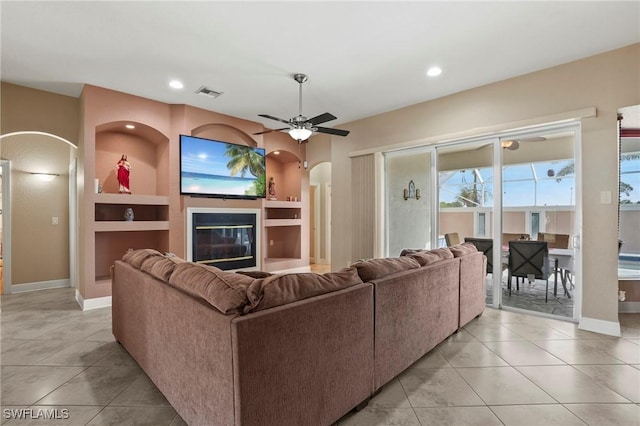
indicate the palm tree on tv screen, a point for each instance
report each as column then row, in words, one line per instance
column 244, row 159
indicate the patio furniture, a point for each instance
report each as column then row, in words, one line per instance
column 560, row 241
column 452, row 239
column 563, row 264
column 528, row 259
column 514, row 237
column 484, row 245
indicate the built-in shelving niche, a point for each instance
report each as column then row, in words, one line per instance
column 147, row 151
column 283, row 216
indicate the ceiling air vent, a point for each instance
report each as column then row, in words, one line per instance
column 204, row 90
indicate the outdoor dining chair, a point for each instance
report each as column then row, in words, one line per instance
column 452, row 239
column 485, row 245
column 528, row 259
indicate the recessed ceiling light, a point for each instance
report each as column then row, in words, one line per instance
column 176, row 84
column 130, row 126
column 276, row 152
column 434, row 71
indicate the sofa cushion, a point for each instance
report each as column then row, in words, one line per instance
column 158, row 266
column 175, row 259
column 463, row 249
column 135, row 258
column 255, row 274
column 226, row 291
column 427, row 257
column 377, row 268
column 279, row 290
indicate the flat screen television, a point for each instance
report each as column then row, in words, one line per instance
column 210, row 168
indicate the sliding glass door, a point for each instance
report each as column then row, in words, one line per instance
column 510, row 187
column 539, row 216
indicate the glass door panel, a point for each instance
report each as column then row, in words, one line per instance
column 408, row 197
column 466, row 197
column 538, row 204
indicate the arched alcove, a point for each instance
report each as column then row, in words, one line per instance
column 285, row 168
column 225, row 133
column 147, row 150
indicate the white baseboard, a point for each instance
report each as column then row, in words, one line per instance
column 611, row 328
column 98, row 302
column 629, row 307
column 40, row 285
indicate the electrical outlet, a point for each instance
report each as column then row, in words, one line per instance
column 54, row 220
column 605, row 197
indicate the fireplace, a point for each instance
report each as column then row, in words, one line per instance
column 224, row 238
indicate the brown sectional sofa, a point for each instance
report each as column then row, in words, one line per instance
column 233, row 349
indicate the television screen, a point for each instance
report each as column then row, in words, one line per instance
column 221, row 169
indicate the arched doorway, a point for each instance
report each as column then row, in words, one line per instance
column 320, row 215
column 38, row 171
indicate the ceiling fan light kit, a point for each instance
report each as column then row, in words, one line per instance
column 300, row 127
column 300, row 134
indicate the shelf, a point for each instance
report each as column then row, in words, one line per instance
column 282, row 222
column 268, row 204
column 133, row 199
column 103, row 280
column 123, row 225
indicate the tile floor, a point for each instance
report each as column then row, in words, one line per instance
column 531, row 296
column 501, row 369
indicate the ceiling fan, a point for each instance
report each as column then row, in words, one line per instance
column 301, row 127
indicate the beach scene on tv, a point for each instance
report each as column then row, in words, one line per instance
column 223, row 169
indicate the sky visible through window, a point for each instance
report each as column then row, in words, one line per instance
column 531, row 184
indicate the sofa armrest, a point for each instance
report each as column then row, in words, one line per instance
column 182, row 344
column 473, row 275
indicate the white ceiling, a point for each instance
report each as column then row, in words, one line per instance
column 362, row 58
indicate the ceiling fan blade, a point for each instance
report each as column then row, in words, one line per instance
column 322, row 118
column 330, row 131
column 274, row 118
column 272, row 130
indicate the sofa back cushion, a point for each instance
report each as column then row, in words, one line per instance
column 463, row 249
column 226, row 291
column 427, row 257
column 136, row 258
column 373, row 269
column 277, row 290
column 159, row 267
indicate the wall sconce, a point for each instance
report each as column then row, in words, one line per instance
column 411, row 192
column 45, row 177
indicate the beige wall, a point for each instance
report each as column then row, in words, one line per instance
column 607, row 82
column 35, row 240
column 34, row 110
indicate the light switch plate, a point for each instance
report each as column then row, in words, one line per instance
column 605, row 197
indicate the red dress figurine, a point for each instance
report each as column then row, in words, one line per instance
column 123, row 168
